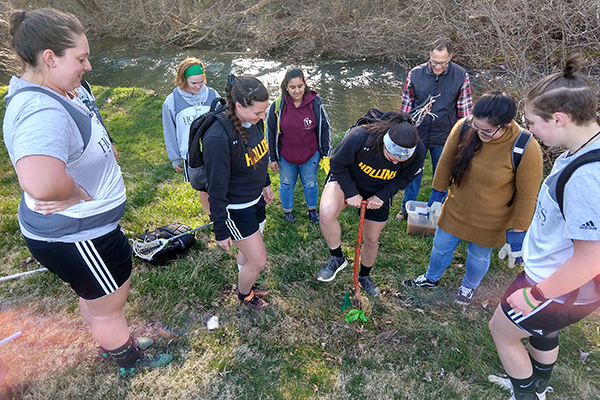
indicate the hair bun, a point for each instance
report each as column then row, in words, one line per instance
column 573, row 65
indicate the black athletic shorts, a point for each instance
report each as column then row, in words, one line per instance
column 94, row 268
column 548, row 317
column 379, row 215
column 244, row 222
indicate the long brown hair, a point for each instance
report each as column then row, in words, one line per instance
column 244, row 90
column 401, row 130
column 495, row 108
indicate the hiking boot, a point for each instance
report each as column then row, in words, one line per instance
column 421, row 281
column 369, row 286
column 289, row 217
column 402, row 215
column 258, row 292
column 331, row 268
column 146, row 362
column 314, row 217
column 141, row 343
column 255, row 302
column 464, row 296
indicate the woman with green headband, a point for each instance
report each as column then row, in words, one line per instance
column 189, row 100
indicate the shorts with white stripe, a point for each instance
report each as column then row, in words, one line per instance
column 245, row 222
column 94, row 268
column 548, row 317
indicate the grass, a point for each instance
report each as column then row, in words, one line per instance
column 414, row 345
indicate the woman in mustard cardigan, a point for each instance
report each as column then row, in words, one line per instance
column 487, row 200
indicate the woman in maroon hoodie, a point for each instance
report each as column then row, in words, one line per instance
column 298, row 134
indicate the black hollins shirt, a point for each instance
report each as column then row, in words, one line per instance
column 241, row 184
column 374, row 175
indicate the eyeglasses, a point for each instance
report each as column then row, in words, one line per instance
column 436, row 63
column 471, row 125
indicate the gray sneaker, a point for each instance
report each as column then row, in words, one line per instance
column 369, row 286
column 331, row 268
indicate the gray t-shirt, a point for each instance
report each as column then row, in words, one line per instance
column 37, row 123
column 548, row 243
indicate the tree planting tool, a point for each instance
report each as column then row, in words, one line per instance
column 361, row 222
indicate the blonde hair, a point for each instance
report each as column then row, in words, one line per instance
column 180, row 79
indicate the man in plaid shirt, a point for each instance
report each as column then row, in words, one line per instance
column 441, row 91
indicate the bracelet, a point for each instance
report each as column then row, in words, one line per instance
column 527, row 299
column 537, row 294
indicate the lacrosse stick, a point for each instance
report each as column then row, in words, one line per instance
column 361, row 222
column 421, row 111
column 147, row 250
column 6, row 278
column 11, row 337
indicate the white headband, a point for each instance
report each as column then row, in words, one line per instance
column 395, row 150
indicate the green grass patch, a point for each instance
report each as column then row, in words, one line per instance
column 414, row 345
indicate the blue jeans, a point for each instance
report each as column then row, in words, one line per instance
column 442, row 253
column 412, row 190
column 288, row 174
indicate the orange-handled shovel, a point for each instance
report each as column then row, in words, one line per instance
column 361, row 222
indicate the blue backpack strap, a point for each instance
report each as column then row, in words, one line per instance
column 83, row 121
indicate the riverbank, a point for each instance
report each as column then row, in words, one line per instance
column 414, row 345
column 526, row 39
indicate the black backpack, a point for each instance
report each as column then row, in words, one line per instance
column 196, row 169
column 173, row 249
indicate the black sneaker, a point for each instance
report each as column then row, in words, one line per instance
column 289, row 217
column 142, row 343
column 253, row 301
column 258, row 292
column 421, row 281
column 146, row 362
column 314, row 217
column 541, row 385
column 369, row 286
column 331, row 268
column 402, row 215
column 464, row 296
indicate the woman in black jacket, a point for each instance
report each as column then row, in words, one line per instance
column 240, row 190
column 372, row 162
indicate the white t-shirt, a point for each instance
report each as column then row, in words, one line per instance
column 548, row 243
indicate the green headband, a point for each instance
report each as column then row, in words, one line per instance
column 194, row 70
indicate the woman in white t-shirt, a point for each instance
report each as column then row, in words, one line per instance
column 561, row 250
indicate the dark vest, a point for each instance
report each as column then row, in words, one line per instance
column 434, row 133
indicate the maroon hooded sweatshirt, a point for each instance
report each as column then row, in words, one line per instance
column 298, row 141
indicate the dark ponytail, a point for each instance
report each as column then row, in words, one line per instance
column 401, row 129
column 35, row 31
column 244, row 90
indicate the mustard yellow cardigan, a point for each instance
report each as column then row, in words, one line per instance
column 477, row 211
